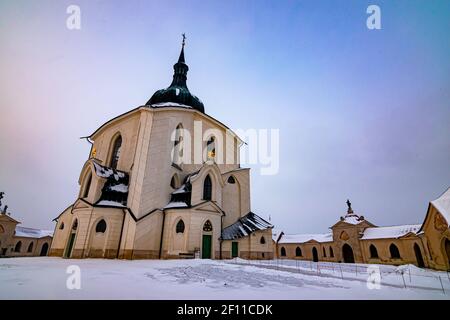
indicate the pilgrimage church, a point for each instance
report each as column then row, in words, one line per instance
column 150, row 190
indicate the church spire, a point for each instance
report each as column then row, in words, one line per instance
column 178, row 92
column 181, row 58
column 180, row 68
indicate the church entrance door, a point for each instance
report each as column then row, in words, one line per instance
column 206, row 246
column 347, row 253
column 68, row 252
column 234, row 249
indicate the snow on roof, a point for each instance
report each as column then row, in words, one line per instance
column 176, row 204
column 301, row 238
column 246, row 225
column 393, row 232
column 275, row 234
column 170, row 104
column 110, row 203
column 119, row 188
column 32, row 233
column 442, row 204
column 106, row 172
column 181, row 189
column 352, row 219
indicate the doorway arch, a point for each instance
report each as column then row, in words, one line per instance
column 71, row 240
column 419, row 257
column 447, row 250
column 315, row 255
column 347, row 254
column 44, row 250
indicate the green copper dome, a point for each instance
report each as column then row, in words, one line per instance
column 177, row 92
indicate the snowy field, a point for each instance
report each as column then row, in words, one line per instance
column 45, row 278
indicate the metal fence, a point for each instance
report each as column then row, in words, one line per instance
column 406, row 276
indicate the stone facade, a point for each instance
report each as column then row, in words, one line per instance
column 134, row 155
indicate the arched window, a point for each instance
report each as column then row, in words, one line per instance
column 324, row 252
column 61, row 226
column 30, row 247
column 373, row 251
column 180, row 227
column 18, row 246
column 211, row 149
column 177, row 155
column 87, row 185
column 2, row 230
column 298, row 252
column 115, row 155
column 331, row 252
column 101, row 226
column 207, row 188
column 283, row 252
column 231, row 180
column 75, row 225
column 262, row 240
column 395, row 253
column 207, row 226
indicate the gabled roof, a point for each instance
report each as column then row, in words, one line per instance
column 393, row 232
column 7, row 217
column 245, row 226
column 354, row 220
column 32, row 233
column 442, row 204
column 276, row 234
column 302, row 238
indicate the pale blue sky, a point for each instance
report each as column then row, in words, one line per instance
column 362, row 114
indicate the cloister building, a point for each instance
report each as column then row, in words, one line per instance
column 353, row 239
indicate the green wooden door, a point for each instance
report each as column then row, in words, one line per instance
column 234, row 249
column 206, row 246
column 68, row 252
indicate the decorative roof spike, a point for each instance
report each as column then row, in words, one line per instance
column 181, row 57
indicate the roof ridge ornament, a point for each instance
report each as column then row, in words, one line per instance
column 349, row 205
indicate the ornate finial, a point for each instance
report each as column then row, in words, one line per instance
column 184, row 39
column 349, row 205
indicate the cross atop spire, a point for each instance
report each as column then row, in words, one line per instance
column 181, row 58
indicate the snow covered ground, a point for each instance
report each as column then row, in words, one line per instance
column 45, row 278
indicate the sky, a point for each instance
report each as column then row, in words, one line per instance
column 363, row 114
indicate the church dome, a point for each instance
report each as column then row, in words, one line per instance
column 177, row 94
